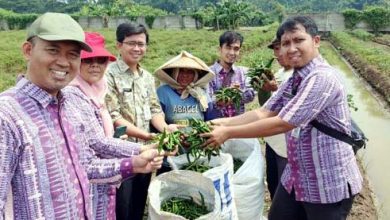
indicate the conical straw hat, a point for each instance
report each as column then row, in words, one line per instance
column 188, row 61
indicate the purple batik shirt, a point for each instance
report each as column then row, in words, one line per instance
column 319, row 167
column 236, row 76
column 103, row 171
column 41, row 138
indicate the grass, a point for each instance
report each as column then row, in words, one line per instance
column 376, row 55
column 164, row 44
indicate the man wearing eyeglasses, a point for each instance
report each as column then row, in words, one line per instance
column 132, row 102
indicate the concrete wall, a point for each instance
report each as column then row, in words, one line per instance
column 326, row 22
column 333, row 22
column 164, row 22
column 4, row 25
column 174, row 22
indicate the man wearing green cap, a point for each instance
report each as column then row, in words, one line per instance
column 44, row 133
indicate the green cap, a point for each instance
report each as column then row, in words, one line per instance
column 57, row 27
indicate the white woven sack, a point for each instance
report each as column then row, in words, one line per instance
column 221, row 174
column 182, row 183
column 248, row 181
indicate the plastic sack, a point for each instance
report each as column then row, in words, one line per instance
column 248, row 181
column 221, row 174
column 182, row 183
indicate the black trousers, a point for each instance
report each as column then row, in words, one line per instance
column 284, row 206
column 131, row 197
column 275, row 165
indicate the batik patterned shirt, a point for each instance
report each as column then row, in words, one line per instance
column 42, row 140
column 110, row 170
column 222, row 79
column 319, row 167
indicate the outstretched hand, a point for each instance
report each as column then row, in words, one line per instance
column 147, row 161
column 174, row 127
column 216, row 137
column 270, row 86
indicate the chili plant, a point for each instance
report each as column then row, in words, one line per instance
column 260, row 74
column 196, row 150
column 197, row 167
column 169, row 141
column 185, row 207
column 229, row 95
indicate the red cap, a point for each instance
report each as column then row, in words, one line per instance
column 96, row 42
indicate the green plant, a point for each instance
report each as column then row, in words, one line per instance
column 186, row 207
column 260, row 73
column 377, row 17
column 352, row 17
column 169, row 141
column 351, row 103
column 195, row 141
column 149, row 20
column 227, row 14
column 229, row 95
column 17, row 21
column 362, row 34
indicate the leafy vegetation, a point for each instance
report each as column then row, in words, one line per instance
column 377, row 17
column 216, row 13
column 228, row 14
column 17, row 21
column 201, row 43
column 374, row 55
column 362, row 34
column 352, row 17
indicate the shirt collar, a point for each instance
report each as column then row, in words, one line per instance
column 308, row 68
column 36, row 93
column 219, row 67
column 123, row 67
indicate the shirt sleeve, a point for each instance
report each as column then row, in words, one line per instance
column 100, row 170
column 101, row 156
column 275, row 102
column 106, row 147
column 315, row 93
column 111, row 99
column 8, row 158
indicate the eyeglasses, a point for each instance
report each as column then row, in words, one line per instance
column 132, row 44
column 98, row 60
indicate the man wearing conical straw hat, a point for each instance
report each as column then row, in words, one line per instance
column 184, row 95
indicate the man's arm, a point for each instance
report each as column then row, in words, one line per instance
column 259, row 128
column 132, row 130
column 245, row 118
column 108, row 147
column 158, row 121
column 115, row 170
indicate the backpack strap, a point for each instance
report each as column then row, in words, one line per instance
column 333, row 132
